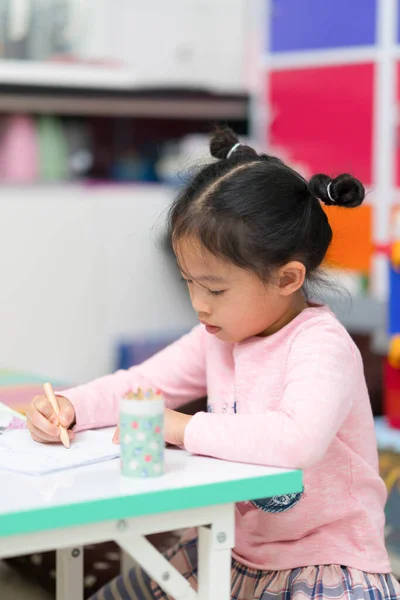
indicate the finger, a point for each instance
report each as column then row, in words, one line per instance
column 67, row 412
column 115, row 438
column 39, row 435
column 44, row 406
column 37, row 419
column 36, row 439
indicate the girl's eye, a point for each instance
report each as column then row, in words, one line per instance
column 212, row 292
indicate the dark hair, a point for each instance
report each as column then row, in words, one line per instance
column 257, row 212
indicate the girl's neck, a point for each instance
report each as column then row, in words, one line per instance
column 297, row 306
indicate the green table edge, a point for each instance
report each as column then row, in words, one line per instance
column 158, row 502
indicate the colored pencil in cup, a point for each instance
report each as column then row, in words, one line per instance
column 48, row 390
column 143, row 395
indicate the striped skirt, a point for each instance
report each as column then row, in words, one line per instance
column 331, row 582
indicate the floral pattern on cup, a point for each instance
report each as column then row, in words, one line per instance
column 142, row 445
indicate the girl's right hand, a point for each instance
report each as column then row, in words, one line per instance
column 43, row 423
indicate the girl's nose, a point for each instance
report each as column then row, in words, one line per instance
column 200, row 303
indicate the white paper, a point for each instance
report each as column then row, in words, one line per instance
column 20, row 454
column 6, row 415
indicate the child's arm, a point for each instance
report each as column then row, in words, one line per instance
column 318, row 394
column 178, row 371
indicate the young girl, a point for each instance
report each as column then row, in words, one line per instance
column 284, row 381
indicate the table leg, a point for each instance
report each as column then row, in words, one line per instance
column 214, row 565
column 215, row 544
column 158, row 567
column 69, row 569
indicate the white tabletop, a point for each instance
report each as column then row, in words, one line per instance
column 98, row 492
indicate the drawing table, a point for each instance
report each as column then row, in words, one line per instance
column 92, row 504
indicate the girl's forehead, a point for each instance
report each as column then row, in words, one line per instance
column 199, row 264
column 192, row 257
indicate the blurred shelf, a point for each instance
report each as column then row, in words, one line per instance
column 359, row 314
column 156, row 103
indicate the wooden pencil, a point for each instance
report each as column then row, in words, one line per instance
column 48, row 390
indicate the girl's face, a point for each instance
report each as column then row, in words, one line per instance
column 233, row 303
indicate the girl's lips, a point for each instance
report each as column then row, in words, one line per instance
column 211, row 328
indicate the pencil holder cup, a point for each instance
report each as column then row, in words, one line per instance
column 142, row 437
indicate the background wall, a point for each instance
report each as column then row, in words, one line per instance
column 82, row 268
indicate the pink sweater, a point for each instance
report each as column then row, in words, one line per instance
column 296, row 399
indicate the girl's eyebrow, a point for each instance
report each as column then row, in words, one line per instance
column 206, row 278
column 210, row 278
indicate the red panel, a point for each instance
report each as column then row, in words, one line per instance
column 392, row 395
column 322, row 117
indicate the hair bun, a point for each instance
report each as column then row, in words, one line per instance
column 344, row 190
column 222, row 141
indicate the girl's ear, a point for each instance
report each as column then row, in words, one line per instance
column 291, row 277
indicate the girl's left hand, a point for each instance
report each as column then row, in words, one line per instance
column 174, row 428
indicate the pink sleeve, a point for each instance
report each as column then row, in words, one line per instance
column 178, row 371
column 317, row 398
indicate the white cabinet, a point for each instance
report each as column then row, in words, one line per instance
column 125, row 43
